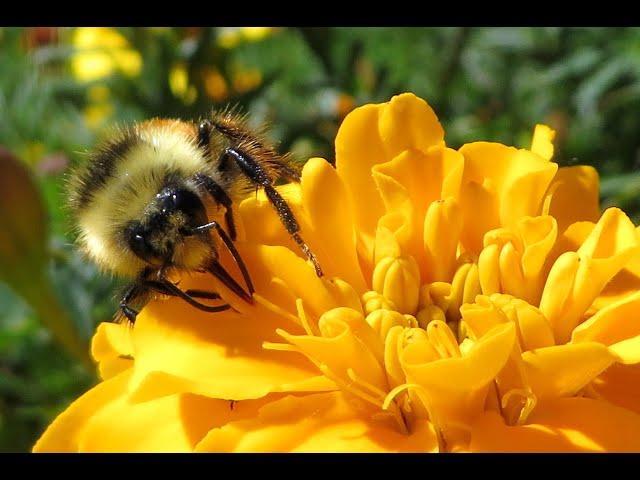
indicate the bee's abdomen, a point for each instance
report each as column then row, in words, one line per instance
column 102, row 164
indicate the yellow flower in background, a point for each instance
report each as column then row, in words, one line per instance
column 230, row 37
column 246, row 79
column 179, row 84
column 102, row 51
column 99, row 107
column 473, row 300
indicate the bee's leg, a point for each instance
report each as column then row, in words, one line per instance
column 221, row 274
column 220, row 197
column 167, row 288
column 137, row 294
column 254, row 172
column 203, row 294
column 236, row 257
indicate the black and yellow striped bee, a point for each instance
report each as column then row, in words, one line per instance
column 140, row 203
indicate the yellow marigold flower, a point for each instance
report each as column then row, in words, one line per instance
column 473, row 300
column 101, row 51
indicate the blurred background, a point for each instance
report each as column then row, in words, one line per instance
column 61, row 87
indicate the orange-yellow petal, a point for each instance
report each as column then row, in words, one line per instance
column 614, row 323
column 358, row 148
column 218, row 355
column 374, row 134
column 542, row 143
column 315, row 423
column 105, row 419
column 65, row 432
column 409, row 184
column 331, row 237
column 562, row 425
column 494, row 176
column 347, row 342
column 173, row 423
column 575, row 195
column 112, row 348
column 563, row 370
column 620, row 385
column 456, row 387
column 577, row 278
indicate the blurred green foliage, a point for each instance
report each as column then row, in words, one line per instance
column 61, row 88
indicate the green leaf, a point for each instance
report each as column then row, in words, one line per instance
column 24, row 256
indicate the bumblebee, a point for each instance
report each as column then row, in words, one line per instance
column 140, row 203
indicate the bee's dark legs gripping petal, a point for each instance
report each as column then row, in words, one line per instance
column 203, row 294
column 254, row 172
column 228, row 281
column 167, row 288
column 135, row 294
column 220, row 197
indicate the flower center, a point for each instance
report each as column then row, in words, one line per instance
column 366, row 348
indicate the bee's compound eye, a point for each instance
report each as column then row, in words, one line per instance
column 185, row 201
column 137, row 241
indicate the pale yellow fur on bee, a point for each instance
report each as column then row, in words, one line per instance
column 136, row 179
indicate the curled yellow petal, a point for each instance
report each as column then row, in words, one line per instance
column 461, row 400
column 495, row 175
column 577, row 278
column 339, row 345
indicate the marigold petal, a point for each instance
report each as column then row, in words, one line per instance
column 538, row 235
column 402, row 218
column 441, row 250
column 426, row 177
column 542, row 143
column 572, row 287
column 64, row 433
column 347, row 342
column 217, row 355
column 270, row 230
column 374, row 134
column 315, row 423
column 563, row 370
column 494, row 176
column 126, row 426
column 461, row 400
column 575, row 182
column 408, row 122
column 620, row 385
column 562, row 425
column 614, row 323
column 358, row 148
column 112, row 348
column 332, row 237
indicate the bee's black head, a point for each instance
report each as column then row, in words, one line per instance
column 158, row 237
